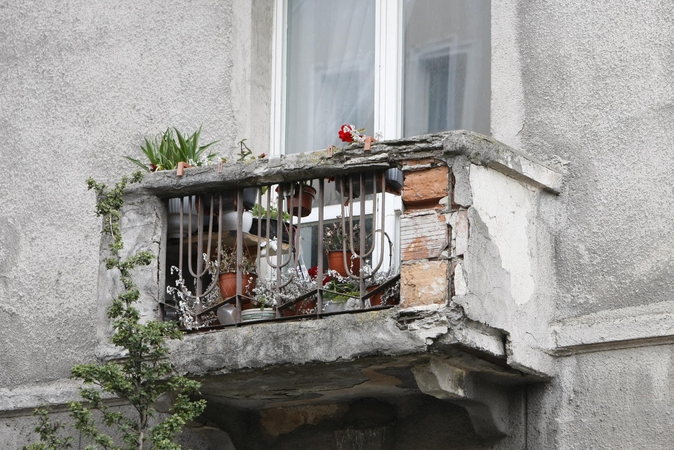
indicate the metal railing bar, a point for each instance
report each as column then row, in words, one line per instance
column 321, row 252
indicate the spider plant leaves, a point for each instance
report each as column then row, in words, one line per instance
column 165, row 152
column 138, row 163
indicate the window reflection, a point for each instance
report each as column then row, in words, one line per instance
column 447, row 65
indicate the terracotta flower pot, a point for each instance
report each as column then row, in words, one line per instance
column 307, row 306
column 375, row 300
column 307, row 200
column 336, row 263
column 227, row 283
column 302, row 308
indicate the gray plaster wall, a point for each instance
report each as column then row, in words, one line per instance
column 587, row 86
column 590, row 84
column 617, row 399
column 81, row 84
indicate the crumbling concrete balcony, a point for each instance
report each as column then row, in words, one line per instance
column 476, row 288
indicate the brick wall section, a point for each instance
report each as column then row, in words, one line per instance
column 424, row 189
column 425, row 234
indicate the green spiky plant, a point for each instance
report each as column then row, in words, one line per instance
column 141, row 376
column 165, row 152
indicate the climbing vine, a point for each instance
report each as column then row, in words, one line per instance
column 141, row 376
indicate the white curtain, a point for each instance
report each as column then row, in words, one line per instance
column 330, row 71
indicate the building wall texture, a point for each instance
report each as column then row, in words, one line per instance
column 586, row 87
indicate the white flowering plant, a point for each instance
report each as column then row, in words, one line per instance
column 335, row 237
column 293, row 285
column 340, row 289
column 227, row 262
column 188, row 305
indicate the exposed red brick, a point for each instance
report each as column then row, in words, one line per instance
column 423, row 236
column 424, row 189
column 423, row 284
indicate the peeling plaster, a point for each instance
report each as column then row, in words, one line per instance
column 504, row 205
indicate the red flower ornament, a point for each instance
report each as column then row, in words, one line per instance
column 346, row 133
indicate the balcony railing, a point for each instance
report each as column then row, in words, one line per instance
column 283, row 251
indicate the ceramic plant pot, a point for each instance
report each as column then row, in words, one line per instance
column 227, row 284
column 257, row 314
column 307, row 200
column 336, row 263
column 187, row 204
column 230, row 219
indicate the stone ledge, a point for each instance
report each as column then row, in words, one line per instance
column 385, row 334
column 21, row 401
column 480, row 149
column 486, row 151
column 621, row 328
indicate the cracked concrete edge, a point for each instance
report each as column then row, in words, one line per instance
column 335, row 338
column 414, row 332
column 394, row 333
column 21, row 401
column 478, row 148
column 480, row 337
column 486, row 151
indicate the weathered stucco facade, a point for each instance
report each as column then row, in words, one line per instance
column 552, row 325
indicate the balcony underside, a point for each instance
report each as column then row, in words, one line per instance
column 342, row 358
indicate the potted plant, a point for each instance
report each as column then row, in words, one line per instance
column 264, row 312
column 265, row 298
column 226, row 272
column 337, row 293
column 259, row 226
column 166, row 152
column 297, row 295
column 300, row 199
column 372, row 284
column 169, row 150
column 336, row 242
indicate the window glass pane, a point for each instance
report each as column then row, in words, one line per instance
column 447, row 65
column 330, row 71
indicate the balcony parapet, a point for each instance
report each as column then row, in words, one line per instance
column 479, row 149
